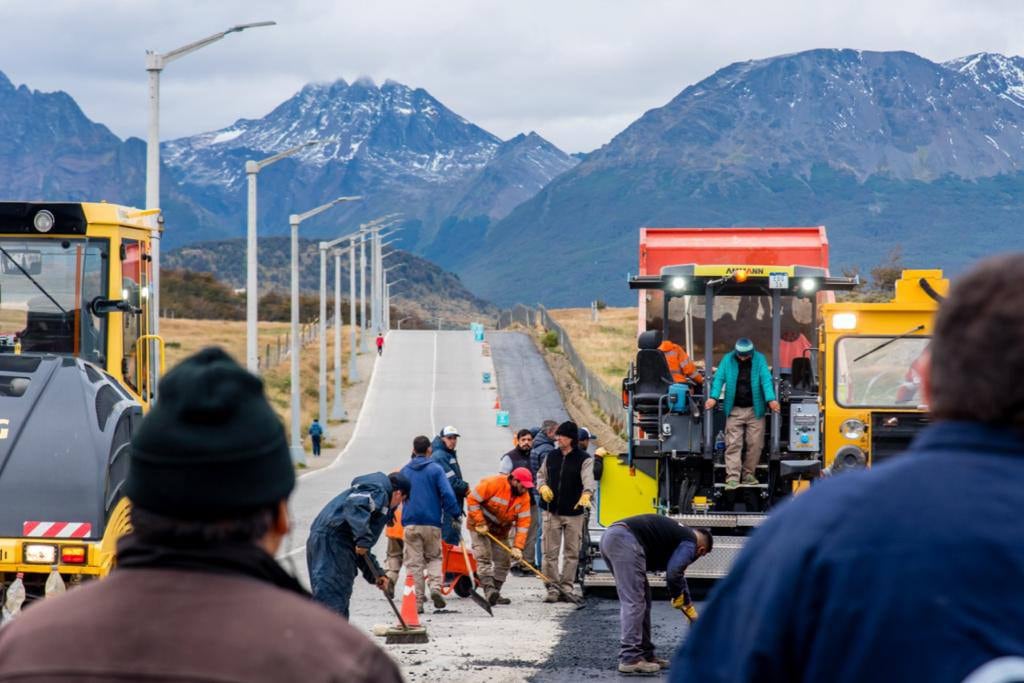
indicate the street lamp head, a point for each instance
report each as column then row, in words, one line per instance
column 255, row 24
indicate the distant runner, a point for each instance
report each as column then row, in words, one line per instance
column 380, row 344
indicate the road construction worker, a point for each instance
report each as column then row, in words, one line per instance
column 744, row 375
column 520, row 457
column 196, row 593
column 431, row 493
column 316, row 432
column 497, row 505
column 649, row 543
column 586, row 438
column 892, row 538
column 443, row 453
column 345, row 531
column 543, row 443
column 679, row 363
column 395, row 533
column 565, row 483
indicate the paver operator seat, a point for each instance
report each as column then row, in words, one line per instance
column 653, row 377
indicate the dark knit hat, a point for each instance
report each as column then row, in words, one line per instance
column 211, row 447
column 568, row 429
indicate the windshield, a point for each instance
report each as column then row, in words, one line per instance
column 45, row 289
column 879, row 372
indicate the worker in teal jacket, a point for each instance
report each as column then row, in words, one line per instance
column 747, row 380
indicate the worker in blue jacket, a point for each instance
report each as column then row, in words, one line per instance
column 343, row 533
column 421, row 519
column 444, row 446
column 910, row 571
column 744, row 374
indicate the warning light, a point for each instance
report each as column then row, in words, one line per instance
column 72, row 554
column 740, row 275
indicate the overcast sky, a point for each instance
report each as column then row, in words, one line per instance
column 575, row 71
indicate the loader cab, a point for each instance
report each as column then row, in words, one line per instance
column 871, row 362
column 705, row 309
column 75, row 281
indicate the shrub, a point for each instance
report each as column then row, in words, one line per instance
column 550, row 339
column 600, row 304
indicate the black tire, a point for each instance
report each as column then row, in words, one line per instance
column 463, row 587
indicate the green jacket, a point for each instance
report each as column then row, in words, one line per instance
column 760, row 382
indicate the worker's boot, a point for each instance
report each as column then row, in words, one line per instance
column 498, row 599
column 490, row 593
column 749, row 480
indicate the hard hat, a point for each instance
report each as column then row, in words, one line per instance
column 449, row 431
column 523, row 476
column 744, row 345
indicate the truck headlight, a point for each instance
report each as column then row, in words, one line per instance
column 43, row 221
column 849, row 458
column 40, row 553
column 852, row 429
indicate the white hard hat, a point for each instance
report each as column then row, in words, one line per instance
column 450, row 431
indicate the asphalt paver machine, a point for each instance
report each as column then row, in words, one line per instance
column 703, row 289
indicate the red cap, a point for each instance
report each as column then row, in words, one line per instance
column 523, row 476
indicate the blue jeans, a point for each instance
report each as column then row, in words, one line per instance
column 316, row 444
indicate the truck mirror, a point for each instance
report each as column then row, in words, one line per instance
column 101, row 307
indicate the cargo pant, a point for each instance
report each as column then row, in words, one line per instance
column 743, row 423
column 492, row 562
column 396, row 549
column 565, row 533
column 625, row 556
column 423, row 553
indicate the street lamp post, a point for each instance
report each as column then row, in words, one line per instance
column 297, row 451
column 363, row 329
column 387, row 304
column 155, row 63
column 252, row 168
column 338, row 410
column 353, row 370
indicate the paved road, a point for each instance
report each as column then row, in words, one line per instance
column 527, row 389
column 424, row 381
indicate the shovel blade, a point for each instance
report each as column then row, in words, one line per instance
column 482, row 602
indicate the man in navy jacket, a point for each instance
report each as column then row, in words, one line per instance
column 421, row 519
column 910, row 571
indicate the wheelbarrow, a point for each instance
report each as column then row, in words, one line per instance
column 457, row 576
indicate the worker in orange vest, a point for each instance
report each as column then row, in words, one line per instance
column 679, row 363
column 396, row 547
column 495, row 505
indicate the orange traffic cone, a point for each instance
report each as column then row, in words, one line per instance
column 409, row 615
column 497, row 402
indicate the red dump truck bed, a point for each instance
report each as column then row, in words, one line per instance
column 660, row 247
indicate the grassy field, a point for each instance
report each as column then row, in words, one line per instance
column 185, row 337
column 606, row 346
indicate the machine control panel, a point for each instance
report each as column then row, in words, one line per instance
column 804, row 427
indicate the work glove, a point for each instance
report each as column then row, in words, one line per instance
column 546, row 493
column 584, row 501
column 481, row 529
column 361, row 552
column 686, row 608
column 382, row 583
column 516, row 554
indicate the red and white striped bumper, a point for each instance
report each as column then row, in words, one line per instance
column 56, row 529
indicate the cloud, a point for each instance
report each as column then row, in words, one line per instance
column 576, row 71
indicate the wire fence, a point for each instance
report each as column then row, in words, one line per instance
column 276, row 352
column 607, row 399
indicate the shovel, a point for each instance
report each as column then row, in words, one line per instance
column 574, row 599
column 477, row 598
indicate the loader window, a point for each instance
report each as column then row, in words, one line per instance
column 46, row 286
column 879, row 372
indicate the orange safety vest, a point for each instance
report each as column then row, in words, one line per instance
column 396, row 530
column 491, row 503
column 679, row 364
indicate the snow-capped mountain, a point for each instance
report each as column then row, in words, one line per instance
column 884, row 148
column 397, row 147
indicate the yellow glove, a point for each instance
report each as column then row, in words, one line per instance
column 584, row 501
column 601, row 452
column 687, row 608
column 516, row 554
column 546, row 493
column 481, row 529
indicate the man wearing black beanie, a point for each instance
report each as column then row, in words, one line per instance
column 197, row 593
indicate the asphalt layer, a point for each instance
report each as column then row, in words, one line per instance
column 525, row 384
